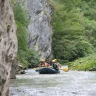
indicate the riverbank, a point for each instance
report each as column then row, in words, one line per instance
column 84, row 64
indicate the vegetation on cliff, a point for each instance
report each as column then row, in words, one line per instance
column 74, row 29
column 27, row 57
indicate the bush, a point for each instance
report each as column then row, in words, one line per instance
column 32, row 58
column 85, row 64
column 83, row 48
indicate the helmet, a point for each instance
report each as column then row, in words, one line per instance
column 42, row 60
column 53, row 61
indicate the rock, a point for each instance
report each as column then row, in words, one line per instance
column 8, row 45
column 20, row 69
column 40, row 29
column 13, row 71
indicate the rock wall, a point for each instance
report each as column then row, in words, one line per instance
column 8, row 44
column 40, row 29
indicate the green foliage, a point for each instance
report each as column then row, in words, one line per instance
column 20, row 14
column 74, row 29
column 22, row 36
column 27, row 57
column 32, row 58
column 90, row 31
column 87, row 63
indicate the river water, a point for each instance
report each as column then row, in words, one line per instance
column 72, row 83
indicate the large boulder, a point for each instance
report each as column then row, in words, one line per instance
column 20, row 69
column 8, row 44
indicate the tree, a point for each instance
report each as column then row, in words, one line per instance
column 71, row 28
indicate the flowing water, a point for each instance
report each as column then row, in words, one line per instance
column 72, row 83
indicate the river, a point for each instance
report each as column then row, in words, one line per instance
column 72, row 83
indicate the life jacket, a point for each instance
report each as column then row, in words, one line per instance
column 42, row 64
column 54, row 65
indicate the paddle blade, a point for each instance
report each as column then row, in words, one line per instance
column 65, row 69
column 35, row 68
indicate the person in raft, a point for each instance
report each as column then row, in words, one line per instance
column 42, row 63
column 47, row 63
column 58, row 64
column 55, row 65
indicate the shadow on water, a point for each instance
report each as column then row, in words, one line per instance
column 72, row 83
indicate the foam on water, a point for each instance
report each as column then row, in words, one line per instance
column 72, row 83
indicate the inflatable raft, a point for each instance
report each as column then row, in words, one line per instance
column 48, row 71
column 36, row 69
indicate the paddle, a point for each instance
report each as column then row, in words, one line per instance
column 36, row 69
column 65, row 69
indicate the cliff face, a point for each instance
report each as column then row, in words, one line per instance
column 8, row 45
column 40, row 29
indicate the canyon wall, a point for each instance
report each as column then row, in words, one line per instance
column 40, row 29
column 8, row 44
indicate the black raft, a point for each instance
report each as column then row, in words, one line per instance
column 48, row 71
